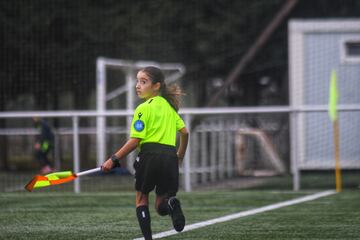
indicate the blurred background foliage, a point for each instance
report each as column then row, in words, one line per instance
column 50, row 47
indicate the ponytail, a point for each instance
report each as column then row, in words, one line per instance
column 172, row 93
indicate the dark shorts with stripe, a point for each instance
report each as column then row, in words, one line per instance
column 156, row 167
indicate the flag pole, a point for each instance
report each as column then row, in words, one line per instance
column 337, row 156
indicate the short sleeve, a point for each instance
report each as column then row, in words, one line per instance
column 179, row 122
column 139, row 124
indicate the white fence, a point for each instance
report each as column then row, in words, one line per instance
column 212, row 149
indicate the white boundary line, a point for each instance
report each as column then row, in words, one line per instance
column 244, row 214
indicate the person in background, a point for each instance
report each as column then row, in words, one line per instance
column 44, row 143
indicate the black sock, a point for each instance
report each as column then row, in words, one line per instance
column 143, row 216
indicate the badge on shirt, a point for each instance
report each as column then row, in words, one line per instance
column 139, row 125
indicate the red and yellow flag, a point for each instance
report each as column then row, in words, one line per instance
column 50, row 179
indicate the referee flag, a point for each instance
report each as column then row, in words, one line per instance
column 333, row 97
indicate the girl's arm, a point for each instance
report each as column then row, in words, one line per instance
column 128, row 147
column 184, row 138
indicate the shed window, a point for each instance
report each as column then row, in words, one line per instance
column 352, row 49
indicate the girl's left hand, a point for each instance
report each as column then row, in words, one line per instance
column 107, row 165
column 180, row 159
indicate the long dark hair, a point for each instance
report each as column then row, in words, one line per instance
column 172, row 92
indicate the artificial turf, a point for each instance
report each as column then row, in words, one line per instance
column 39, row 215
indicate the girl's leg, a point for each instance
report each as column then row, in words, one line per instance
column 142, row 199
column 161, row 205
column 143, row 214
column 171, row 206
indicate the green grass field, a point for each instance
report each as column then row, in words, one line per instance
column 40, row 215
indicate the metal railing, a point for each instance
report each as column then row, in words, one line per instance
column 197, row 143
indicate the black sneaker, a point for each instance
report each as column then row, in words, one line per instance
column 176, row 214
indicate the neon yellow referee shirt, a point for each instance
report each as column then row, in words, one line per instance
column 155, row 121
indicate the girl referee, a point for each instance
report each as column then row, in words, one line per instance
column 153, row 130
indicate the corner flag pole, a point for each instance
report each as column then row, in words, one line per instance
column 333, row 97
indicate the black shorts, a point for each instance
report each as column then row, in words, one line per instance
column 157, row 166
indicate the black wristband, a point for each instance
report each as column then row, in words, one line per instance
column 115, row 159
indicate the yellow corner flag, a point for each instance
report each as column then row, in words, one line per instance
column 333, row 97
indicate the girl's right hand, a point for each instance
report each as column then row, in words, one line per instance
column 107, row 165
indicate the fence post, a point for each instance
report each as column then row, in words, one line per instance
column 101, row 108
column 294, row 152
column 204, row 153
column 130, row 102
column 76, row 152
column 187, row 173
